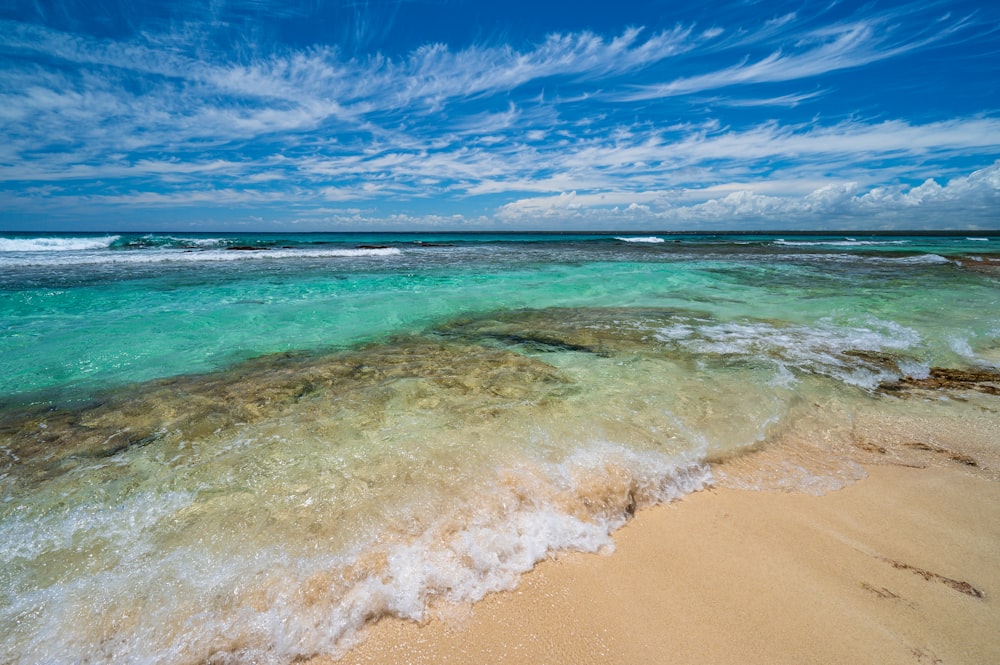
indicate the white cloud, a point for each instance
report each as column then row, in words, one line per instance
column 858, row 141
column 299, row 90
column 971, row 200
column 557, row 206
column 790, row 100
column 558, row 129
column 144, row 98
column 827, row 49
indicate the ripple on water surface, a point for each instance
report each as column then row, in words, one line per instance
column 269, row 511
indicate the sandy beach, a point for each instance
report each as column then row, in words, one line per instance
column 900, row 567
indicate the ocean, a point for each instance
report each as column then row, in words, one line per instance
column 234, row 448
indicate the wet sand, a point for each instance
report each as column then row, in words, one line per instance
column 900, row 567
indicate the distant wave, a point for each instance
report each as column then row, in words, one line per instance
column 641, row 239
column 179, row 256
column 874, row 259
column 55, row 244
column 979, row 239
column 847, row 242
column 924, row 259
column 917, row 259
column 153, row 241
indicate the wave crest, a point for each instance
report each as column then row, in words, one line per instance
column 56, row 244
column 653, row 240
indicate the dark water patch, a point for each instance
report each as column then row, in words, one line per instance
column 542, row 344
column 602, row 331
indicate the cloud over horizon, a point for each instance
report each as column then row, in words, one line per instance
column 883, row 115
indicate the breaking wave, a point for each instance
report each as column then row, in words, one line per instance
column 56, row 244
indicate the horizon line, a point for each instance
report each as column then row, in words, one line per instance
column 754, row 232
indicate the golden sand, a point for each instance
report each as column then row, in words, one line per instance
column 901, row 567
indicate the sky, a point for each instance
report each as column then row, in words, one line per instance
column 400, row 115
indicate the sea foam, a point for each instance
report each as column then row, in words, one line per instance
column 847, row 353
column 152, row 601
column 847, row 242
column 155, row 256
column 55, row 244
column 641, row 239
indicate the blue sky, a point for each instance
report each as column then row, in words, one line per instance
column 304, row 115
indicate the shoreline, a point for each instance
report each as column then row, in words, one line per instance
column 899, row 567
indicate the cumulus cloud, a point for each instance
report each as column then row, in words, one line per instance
column 964, row 201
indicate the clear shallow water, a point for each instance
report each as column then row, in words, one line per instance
column 243, row 448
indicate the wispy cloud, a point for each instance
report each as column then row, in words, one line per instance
column 816, row 52
column 108, row 97
column 790, row 100
column 642, row 120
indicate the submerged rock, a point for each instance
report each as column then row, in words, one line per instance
column 946, row 378
column 598, row 330
column 468, row 380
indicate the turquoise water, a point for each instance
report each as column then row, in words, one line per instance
column 139, row 307
column 246, row 447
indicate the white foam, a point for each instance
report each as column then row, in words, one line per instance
column 186, row 242
column 928, row 259
column 823, row 349
column 979, row 239
column 960, row 346
column 55, row 244
column 847, row 242
column 914, row 369
column 30, row 536
column 155, row 256
column 641, row 239
column 211, row 600
column 870, row 259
